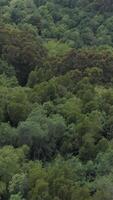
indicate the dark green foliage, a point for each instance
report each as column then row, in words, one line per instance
column 21, row 49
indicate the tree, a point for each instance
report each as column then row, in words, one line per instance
column 71, row 109
column 16, row 197
column 19, row 184
column 6, row 69
column 42, row 134
column 37, row 177
column 10, row 159
column 23, row 50
column 18, row 106
column 8, row 135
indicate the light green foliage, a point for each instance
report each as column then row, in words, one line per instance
column 56, row 48
column 16, row 197
column 10, row 161
column 39, row 188
column 18, row 106
column 18, row 184
column 71, row 109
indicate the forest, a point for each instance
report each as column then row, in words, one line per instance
column 56, row 99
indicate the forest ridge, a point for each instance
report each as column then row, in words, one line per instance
column 56, row 99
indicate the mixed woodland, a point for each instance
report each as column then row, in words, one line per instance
column 56, row 99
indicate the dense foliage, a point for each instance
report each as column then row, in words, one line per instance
column 56, row 100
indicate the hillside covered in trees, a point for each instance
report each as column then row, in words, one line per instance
column 56, row 99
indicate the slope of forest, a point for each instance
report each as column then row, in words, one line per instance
column 56, row 99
